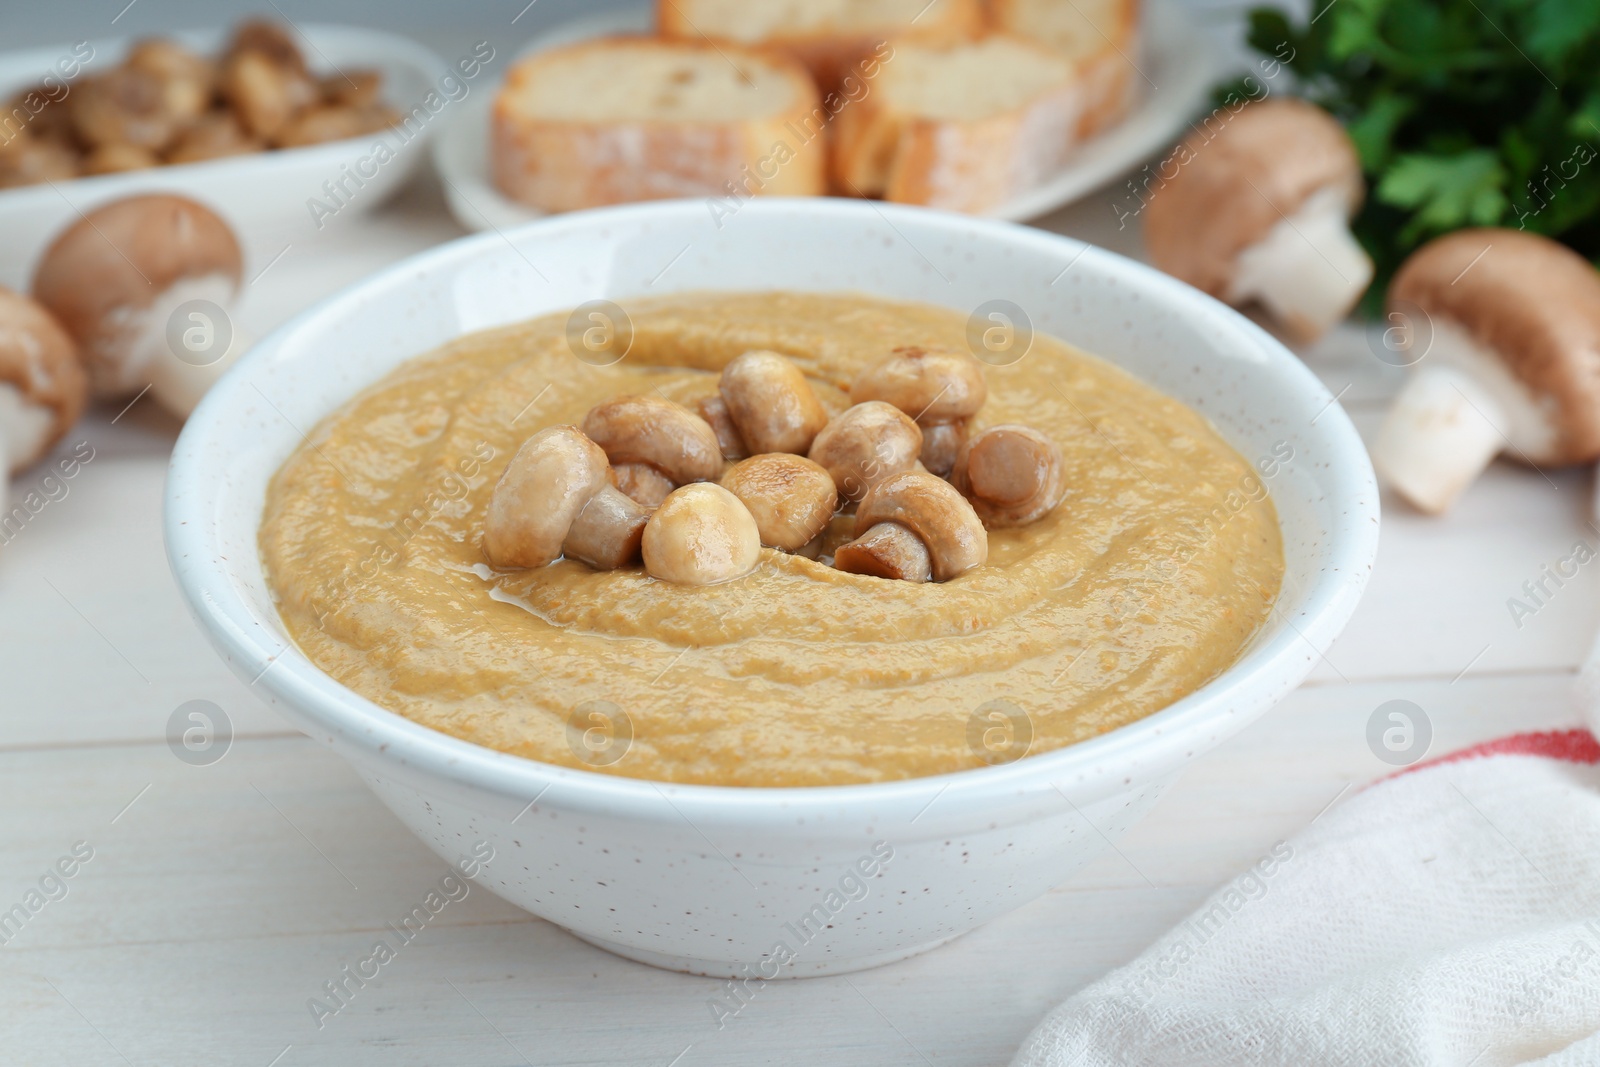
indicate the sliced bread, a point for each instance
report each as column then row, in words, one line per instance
column 964, row 127
column 628, row 118
column 1101, row 36
column 828, row 36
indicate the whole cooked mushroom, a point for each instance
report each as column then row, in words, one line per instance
column 1509, row 326
column 42, row 386
column 1259, row 212
column 790, row 497
column 928, row 508
column 865, row 444
column 554, row 500
column 770, row 403
column 658, row 433
column 1011, row 474
column 701, row 535
column 940, row 389
column 119, row 280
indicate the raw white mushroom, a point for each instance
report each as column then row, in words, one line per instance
column 1504, row 330
column 1258, row 212
column 119, row 280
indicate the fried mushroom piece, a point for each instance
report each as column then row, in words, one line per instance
column 771, row 403
column 930, row 508
column 790, row 497
column 1011, row 474
column 866, row 444
column 701, row 535
column 657, row 432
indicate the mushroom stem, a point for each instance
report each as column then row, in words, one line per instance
column 1308, row 271
column 178, row 386
column 1441, row 433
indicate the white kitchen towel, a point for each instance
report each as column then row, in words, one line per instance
column 1448, row 916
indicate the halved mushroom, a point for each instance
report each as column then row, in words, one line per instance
column 42, row 386
column 926, row 506
column 1011, row 474
column 790, row 497
column 866, row 444
column 771, row 403
column 657, row 432
column 1511, row 325
column 553, row 499
column 118, row 280
column 1259, row 212
column 940, row 389
column 701, row 535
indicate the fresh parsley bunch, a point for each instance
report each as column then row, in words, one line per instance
column 1465, row 112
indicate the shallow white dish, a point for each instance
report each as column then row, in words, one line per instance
column 704, row 878
column 264, row 196
column 1176, row 68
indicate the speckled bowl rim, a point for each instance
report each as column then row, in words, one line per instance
column 1140, row 751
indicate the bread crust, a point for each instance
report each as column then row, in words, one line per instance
column 559, row 165
column 831, row 56
column 971, row 167
column 1109, row 74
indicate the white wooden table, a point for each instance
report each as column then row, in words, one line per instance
column 220, row 898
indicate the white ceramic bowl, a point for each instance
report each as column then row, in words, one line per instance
column 710, row 879
column 263, row 195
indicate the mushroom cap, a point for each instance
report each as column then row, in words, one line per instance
column 1199, row 220
column 1012, row 474
column 542, row 490
column 39, row 361
column 657, row 431
column 1532, row 301
column 771, row 403
column 701, row 535
column 117, row 261
column 790, row 497
column 931, row 508
column 865, row 444
column 932, row 385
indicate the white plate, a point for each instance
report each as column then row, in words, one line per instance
column 1177, row 66
column 266, row 195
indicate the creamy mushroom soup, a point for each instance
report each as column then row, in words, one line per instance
column 1155, row 570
